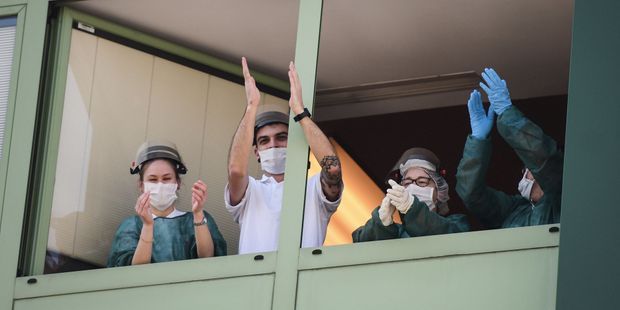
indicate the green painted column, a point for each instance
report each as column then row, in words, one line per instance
column 589, row 268
column 306, row 56
column 23, row 95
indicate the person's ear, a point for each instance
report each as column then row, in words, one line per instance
column 256, row 153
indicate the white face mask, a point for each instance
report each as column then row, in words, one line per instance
column 424, row 194
column 525, row 186
column 273, row 160
column 162, row 195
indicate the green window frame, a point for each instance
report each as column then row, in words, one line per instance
column 284, row 264
column 156, row 274
column 19, row 127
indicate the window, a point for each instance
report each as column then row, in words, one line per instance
column 394, row 77
column 117, row 97
column 7, row 45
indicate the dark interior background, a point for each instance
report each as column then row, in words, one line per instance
column 376, row 142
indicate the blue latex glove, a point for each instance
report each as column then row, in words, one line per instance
column 496, row 91
column 481, row 121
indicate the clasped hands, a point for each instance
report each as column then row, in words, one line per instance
column 397, row 198
column 482, row 121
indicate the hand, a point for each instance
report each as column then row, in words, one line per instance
column 481, row 122
column 399, row 197
column 199, row 196
column 496, row 91
column 251, row 91
column 385, row 212
column 143, row 208
column 296, row 102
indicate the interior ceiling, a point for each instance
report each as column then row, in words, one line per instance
column 364, row 41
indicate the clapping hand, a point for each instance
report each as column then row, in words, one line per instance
column 496, row 90
column 296, row 102
column 399, row 197
column 143, row 208
column 251, row 91
column 199, row 196
column 481, row 121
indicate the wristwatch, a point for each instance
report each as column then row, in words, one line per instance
column 301, row 115
column 203, row 222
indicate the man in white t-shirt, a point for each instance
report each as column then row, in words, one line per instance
column 256, row 204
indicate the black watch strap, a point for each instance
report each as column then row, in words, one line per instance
column 301, row 115
column 203, row 222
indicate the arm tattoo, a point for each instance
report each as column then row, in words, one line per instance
column 328, row 176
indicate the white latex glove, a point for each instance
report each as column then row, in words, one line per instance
column 385, row 212
column 399, row 197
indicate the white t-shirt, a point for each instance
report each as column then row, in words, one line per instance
column 258, row 214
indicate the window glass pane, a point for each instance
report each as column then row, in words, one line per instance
column 7, row 45
column 120, row 93
column 116, row 98
column 397, row 76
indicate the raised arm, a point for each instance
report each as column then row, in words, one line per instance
column 489, row 205
column 538, row 152
column 241, row 145
column 331, row 174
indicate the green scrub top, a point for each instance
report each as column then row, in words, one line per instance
column 173, row 239
column 418, row 221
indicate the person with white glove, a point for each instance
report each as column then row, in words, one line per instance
column 385, row 211
column 399, row 197
column 421, row 198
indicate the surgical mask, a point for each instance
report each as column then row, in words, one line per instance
column 162, row 195
column 525, row 186
column 424, row 194
column 273, row 160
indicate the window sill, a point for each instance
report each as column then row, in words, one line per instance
column 469, row 243
column 145, row 275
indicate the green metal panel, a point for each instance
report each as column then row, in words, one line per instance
column 253, row 292
column 145, row 275
column 492, row 269
column 478, row 242
column 31, row 17
column 306, row 54
column 589, row 255
column 6, row 3
column 523, row 279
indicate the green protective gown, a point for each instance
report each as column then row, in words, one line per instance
column 173, row 239
column 541, row 156
column 418, row 221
